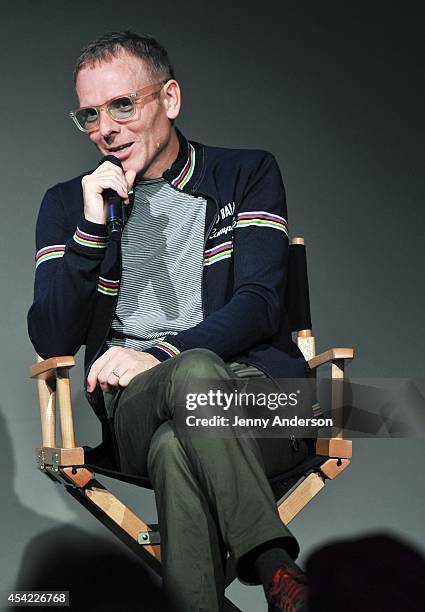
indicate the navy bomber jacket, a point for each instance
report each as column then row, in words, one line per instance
column 245, row 265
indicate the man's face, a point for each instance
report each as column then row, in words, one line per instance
column 149, row 132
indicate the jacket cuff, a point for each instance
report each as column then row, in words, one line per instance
column 163, row 350
column 90, row 238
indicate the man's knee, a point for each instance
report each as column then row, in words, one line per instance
column 199, row 363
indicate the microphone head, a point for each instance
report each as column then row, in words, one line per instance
column 112, row 159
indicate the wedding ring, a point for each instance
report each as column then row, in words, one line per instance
column 117, row 375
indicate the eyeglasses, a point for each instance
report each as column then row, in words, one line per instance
column 121, row 108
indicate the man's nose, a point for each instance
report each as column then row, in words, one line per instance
column 107, row 125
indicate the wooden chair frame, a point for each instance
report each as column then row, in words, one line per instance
column 65, row 463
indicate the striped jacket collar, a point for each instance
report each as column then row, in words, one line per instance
column 187, row 167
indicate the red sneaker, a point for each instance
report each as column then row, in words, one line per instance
column 289, row 591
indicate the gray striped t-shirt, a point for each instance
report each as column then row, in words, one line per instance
column 162, row 260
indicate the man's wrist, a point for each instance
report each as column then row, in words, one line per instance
column 163, row 350
column 90, row 237
column 92, row 220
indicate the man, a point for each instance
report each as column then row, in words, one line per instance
column 193, row 291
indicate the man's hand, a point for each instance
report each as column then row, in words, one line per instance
column 117, row 367
column 106, row 176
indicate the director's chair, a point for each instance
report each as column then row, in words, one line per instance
column 75, row 467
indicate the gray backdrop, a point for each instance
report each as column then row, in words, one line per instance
column 335, row 91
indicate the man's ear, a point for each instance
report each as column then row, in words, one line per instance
column 171, row 98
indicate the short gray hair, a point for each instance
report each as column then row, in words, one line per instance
column 111, row 44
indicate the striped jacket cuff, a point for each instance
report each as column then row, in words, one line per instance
column 90, row 237
column 163, row 350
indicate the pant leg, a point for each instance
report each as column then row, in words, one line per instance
column 193, row 553
column 192, row 550
column 229, row 474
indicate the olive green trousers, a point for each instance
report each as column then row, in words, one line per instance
column 212, row 493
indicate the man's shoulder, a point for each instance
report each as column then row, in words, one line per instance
column 234, row 155
column 234, row 168
column 64, row 201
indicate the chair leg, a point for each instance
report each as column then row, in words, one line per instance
column 229, row 606
column 109, row 510
column 117, row 530
column 299, row 498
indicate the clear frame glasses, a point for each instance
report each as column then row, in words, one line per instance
column 121, row 108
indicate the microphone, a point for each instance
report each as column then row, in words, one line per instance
column 114, row 205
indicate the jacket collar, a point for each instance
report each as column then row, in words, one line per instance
column 187, row 167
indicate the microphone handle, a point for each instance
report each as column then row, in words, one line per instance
column 114, row 214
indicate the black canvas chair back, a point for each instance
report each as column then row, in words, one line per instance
column 297, row 297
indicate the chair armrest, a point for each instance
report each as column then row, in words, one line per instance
column 52, row 376
column 334, row 447
column 47, row 365
column 331, row 355
column 336, row 356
